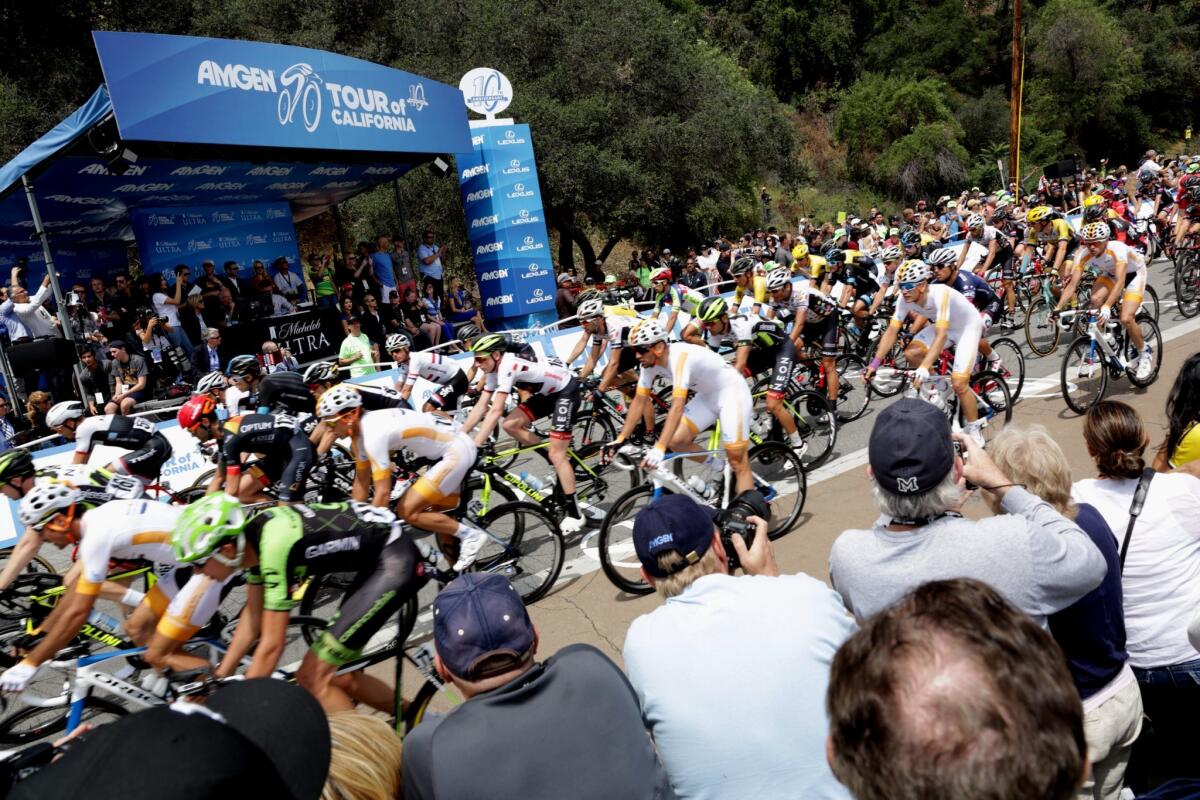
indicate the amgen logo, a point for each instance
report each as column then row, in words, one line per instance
column 484, row 222
column 481, row 194
column 78, row 201
column 270, row 172
column 473, row 172
column 499, row 300
column 199, row 169
column 493, row 275
column 490, row 247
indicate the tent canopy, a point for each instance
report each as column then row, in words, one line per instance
column 191, row 121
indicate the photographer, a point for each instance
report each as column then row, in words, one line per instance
column 167, row 306
column 161, row 355
column 748, row 720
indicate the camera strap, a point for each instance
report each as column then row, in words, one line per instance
column 920, row 522
column 1135, row 508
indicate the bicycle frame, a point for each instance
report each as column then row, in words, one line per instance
column 489, row 468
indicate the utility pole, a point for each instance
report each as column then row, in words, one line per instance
column 1014, row 107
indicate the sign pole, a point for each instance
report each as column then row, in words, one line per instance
column 1014, row 108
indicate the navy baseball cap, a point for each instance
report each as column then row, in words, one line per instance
column 477, row 617
column 910, row 450
column 673, row 522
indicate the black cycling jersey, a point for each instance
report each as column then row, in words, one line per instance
column 862, row 275
column 977, row 290
column 377, row 397
column 150, row 448
column 287, row 452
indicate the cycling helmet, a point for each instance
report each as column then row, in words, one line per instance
column 661, row 275
column 590, row 309
column 828, row 248
column 489, row 343
column 286, row 390
column 741, row 266
column 243, row 367
column 914, row 271
column 207, row 524
column 1095, row 232
column 975, row 221
column 941, row 257
column 778, row 278
column 1193, row 168
column 800, row 251
column 211, row 382
column 646, row 333
column 1093, row 213
column 195, row 409
column 1093, row 200
column 468, row 331
column 712, row 309
column 46, row 500
column 59, row 413
column 1039, row 214
column 768, row 266
column 1107, row 194
column 910, row 239
column 768, row 333
column 398, row 341
column 836, row 256
column 321, row 372
column 889, row 254
column 15, row 463
column 338, row 400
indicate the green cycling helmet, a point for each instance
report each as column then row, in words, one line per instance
column 15, row 463
column 488, row 343
column 712, row 309
column 206, row 525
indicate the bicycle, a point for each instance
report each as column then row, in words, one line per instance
column 993, row 401
column 1096, row 356
column 778, row 474
column 852, row 400
column 1012, row 364
column 809, row 409
column 1187, row 280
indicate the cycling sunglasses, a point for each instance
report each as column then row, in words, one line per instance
column 333, row 421
column 641, row 351
column 908, row 286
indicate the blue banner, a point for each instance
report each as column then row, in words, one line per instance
column 506, row 227
column 74, row 263
column 220, row 91
column 174, row 235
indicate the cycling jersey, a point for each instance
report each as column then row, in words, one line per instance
column 950, row 311
column 803, row 296
column 389, row 430
column 1115, row 254
column 239, row 402
column 96, row 485
column 720, row 392
column 124, row 529
column 739, row 332
column 150, row 448
column 616, row 330
column 817, row 267
column 375, row 398
column 430, row 366
column 532, row 375
column 1059, row 231
column 287, row 452
column 296, row 542
column 975, row 289
column 676, row 298
column 864, row 275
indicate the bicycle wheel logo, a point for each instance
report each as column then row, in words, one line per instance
column 301, row 90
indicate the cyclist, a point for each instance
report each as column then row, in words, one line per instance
column 808, row 263
column 999, row 252
column 860, row 277
column 956, row 324
column 213, row 384
column 450, row 378
column 286, row 452
column 813, row 316
column 553, row 390
column 1047, row 230
column 1187, row 204
column 914, row 246
column 946, row 270
column 758, row 344
column 376, row 435
column 1123, row 276
column 891, row 257
column 150, row 449
column 281, row 548
column 671, row 298
column 720, row 394
column 747, row 279
column 608, row 328
column 244, row 373
column 324, row 375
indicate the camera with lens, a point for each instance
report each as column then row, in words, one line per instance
column 733, row 521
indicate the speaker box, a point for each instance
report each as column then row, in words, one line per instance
column 40, row 355
column 1061, row 170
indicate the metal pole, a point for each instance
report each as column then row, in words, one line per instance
column 408, row 242
column 1014, row 106
column 63, row 320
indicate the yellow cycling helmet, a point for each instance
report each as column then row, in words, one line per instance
column 1093, row 200
column 1039, row 214
column 800, row 251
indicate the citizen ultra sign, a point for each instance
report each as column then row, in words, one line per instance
column 486, row 91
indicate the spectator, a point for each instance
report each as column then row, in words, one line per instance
column 1037, row 558
column 433, row 310
column 1182, row 445
column 391, row 314
column 365, row 757
column 711, row 625
column 260, row 282
column 8, row 431
column 30, row 311
column 99, row 296
column 372, row 321
column 209, row 286
column 1091, row 632
column 567, row 727
column 707, row 263
column 210, row 357
column 278, row 359
column 417, row 321
column 360, row 272
column 12, row 323
column 692, row 277
column 231, row 281
column 403, row 267
column 157, row 350
column 348, row 310
column 1159, row 582
column 564, row 299
column 320, row 271
column 93, row 374
column 167, row 306
column 287, row 283
column 35, row 411
column 130, row 379
column 382, row 268
column 283, row 304
column 954, row 693
column 191, row 319
column 460, row 305
column 357, row 352
column 430, row 256
column 230, row 314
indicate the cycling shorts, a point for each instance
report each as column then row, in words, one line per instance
column 731, row 405
column 781, row 372
column 442, row 482
column 192, row 607
column 561, row 404
column 371, row 601
column 760, row 359
column 1135, row 285
column 823, row 334
column 166, row 589
column 1007, row 264
column 289, row 473
column 966, row 348
column 146, row 462
column 446, row 396
column 989, row 314
column 627, row 360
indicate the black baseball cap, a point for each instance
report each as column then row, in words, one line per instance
column 117, row 343
column 910, row 450
column 353, row 318
column 673, row 522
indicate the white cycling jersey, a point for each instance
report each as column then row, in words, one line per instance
column 691, row 368
column 1115, row 254
column 389, row 430
column 803, row 296
column 740, row 332
column 124, row 529
column 539, row 377
column 430, row 366
column 616, row 330
column 946, row 308
column 113, row 429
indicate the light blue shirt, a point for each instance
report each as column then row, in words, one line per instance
column 731, row 675
column 382, row 264
column 16, row 328
column 434, row 268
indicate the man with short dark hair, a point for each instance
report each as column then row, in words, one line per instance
column 567, row 727
column 130, row 377
column 954, row 693
column 93, row 374
column 287, row 283
column 230, row 279
column 747, row 720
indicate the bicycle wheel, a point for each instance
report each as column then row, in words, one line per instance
column 1187, row 287
column 31, row 724
column 525, row 546
column 190, row 495
column 853, row 396
column 1012, row 365
column 599, row 484
column 1150, row 303
column 1084, row 375
column 322, row 600
column 1041, row 330
column 37, row 565
column 890, row 379
column 592, row 427
column 414, row 712
column 816, row 424
column 994, row 403
column 615, row 542
column 1153, row 337
column 780, row 476
column 476, row 502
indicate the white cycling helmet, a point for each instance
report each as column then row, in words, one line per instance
column 590, row 309
column 44, row 501
column 338, row 400
column 211, row 382
column 890, row 254
column 1092, row 232
column 646, row 333
column 941, row 257
column 320, row 372
column 778, row 278
column 914, row 271
column 975, row 221
column 398, row 341
column 59, row 413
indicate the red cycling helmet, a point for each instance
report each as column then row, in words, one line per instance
column 194, row 410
